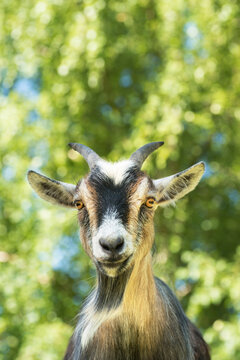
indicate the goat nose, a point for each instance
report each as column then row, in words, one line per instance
column 113, row 246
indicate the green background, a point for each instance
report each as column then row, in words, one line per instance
column 115, row 75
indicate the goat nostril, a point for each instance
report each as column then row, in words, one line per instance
column 104, row 244
column 112, row 245
column 105, row 247
column 119, row 243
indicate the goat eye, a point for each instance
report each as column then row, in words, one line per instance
column 79, row 204
column 150, row 202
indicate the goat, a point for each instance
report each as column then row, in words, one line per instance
column 130, row 315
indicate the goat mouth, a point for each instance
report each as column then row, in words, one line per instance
column 115, row 264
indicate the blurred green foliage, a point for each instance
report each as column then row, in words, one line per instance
column 115, row 75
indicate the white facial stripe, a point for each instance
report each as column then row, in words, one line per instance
column 111, row 227
column 115, row 171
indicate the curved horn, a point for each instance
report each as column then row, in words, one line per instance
column 89, row 155
column 140, row 155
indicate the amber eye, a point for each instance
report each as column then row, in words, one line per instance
column 79, row 204
column 150, row 202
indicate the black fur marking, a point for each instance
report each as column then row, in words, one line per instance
column 111, row 197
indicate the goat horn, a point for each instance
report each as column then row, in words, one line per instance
column 140, row 155
column 89, row 155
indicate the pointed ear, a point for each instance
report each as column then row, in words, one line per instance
column 172, row 188
column 50, row 190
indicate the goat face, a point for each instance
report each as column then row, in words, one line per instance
column 116, row 212
column 116, row 203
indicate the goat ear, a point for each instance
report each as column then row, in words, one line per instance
column 50, row 190
column 174, row 187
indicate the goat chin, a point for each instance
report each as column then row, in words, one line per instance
column 114, row 268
